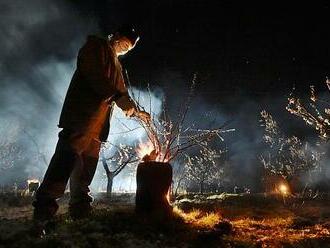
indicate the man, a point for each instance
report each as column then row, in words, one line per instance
column 96, row 85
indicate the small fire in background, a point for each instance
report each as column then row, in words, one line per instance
column 33, row 185
column 283, row 189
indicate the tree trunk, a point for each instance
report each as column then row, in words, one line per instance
column 153, row 184
column 177, row 186
column 109, row 185
column 201, row 187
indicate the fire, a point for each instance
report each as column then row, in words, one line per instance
column 144, row 149
column 32, row 185
column 29, row 181
column 147, row 152
column 283, row 189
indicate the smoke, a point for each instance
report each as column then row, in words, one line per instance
column 39, row 43
column 242, row 112
column 37, row 60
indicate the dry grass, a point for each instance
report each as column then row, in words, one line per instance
column 266, row 220
column 274, row 232
column 199, row 218
column 256, row 222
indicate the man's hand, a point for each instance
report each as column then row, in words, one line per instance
column 143, row 116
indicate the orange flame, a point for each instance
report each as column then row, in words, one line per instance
column 283, row 189
column 144, row 149
column 148, row 151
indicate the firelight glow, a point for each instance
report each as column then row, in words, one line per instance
column 32, row 181
column 168, row 196
column 283, row 189
column 144, row 149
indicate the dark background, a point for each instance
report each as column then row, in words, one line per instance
column 258, row 48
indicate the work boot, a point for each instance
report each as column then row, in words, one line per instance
column 43, row 217
column 42, row 228
column 80, row 211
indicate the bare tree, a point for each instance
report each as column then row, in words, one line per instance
column 286, row 156
column 204, row 167
column 179, row 176
column 115, row 164
column 170, row 139
column 10, row 150
column 315, row 113
column 10, row 154
column 40, row 154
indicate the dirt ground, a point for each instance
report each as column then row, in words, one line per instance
column 222, row 220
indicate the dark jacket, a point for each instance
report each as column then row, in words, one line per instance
column 95, row 85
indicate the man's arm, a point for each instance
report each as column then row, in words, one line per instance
column 127, row 104
column 94, row 65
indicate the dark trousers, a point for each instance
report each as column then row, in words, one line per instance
column 73, row 161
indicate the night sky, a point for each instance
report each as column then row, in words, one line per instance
column 248, row 57
column 252, row 47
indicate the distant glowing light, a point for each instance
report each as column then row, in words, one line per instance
column 284, row 189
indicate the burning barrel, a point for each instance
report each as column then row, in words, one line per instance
column 153, row 184
column 33, row 185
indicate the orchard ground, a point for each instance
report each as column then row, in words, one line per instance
column 221, row 220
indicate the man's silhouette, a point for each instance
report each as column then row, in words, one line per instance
column 95, row 86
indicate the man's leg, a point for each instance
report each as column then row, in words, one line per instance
column 56, row 178
column 80, row 180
